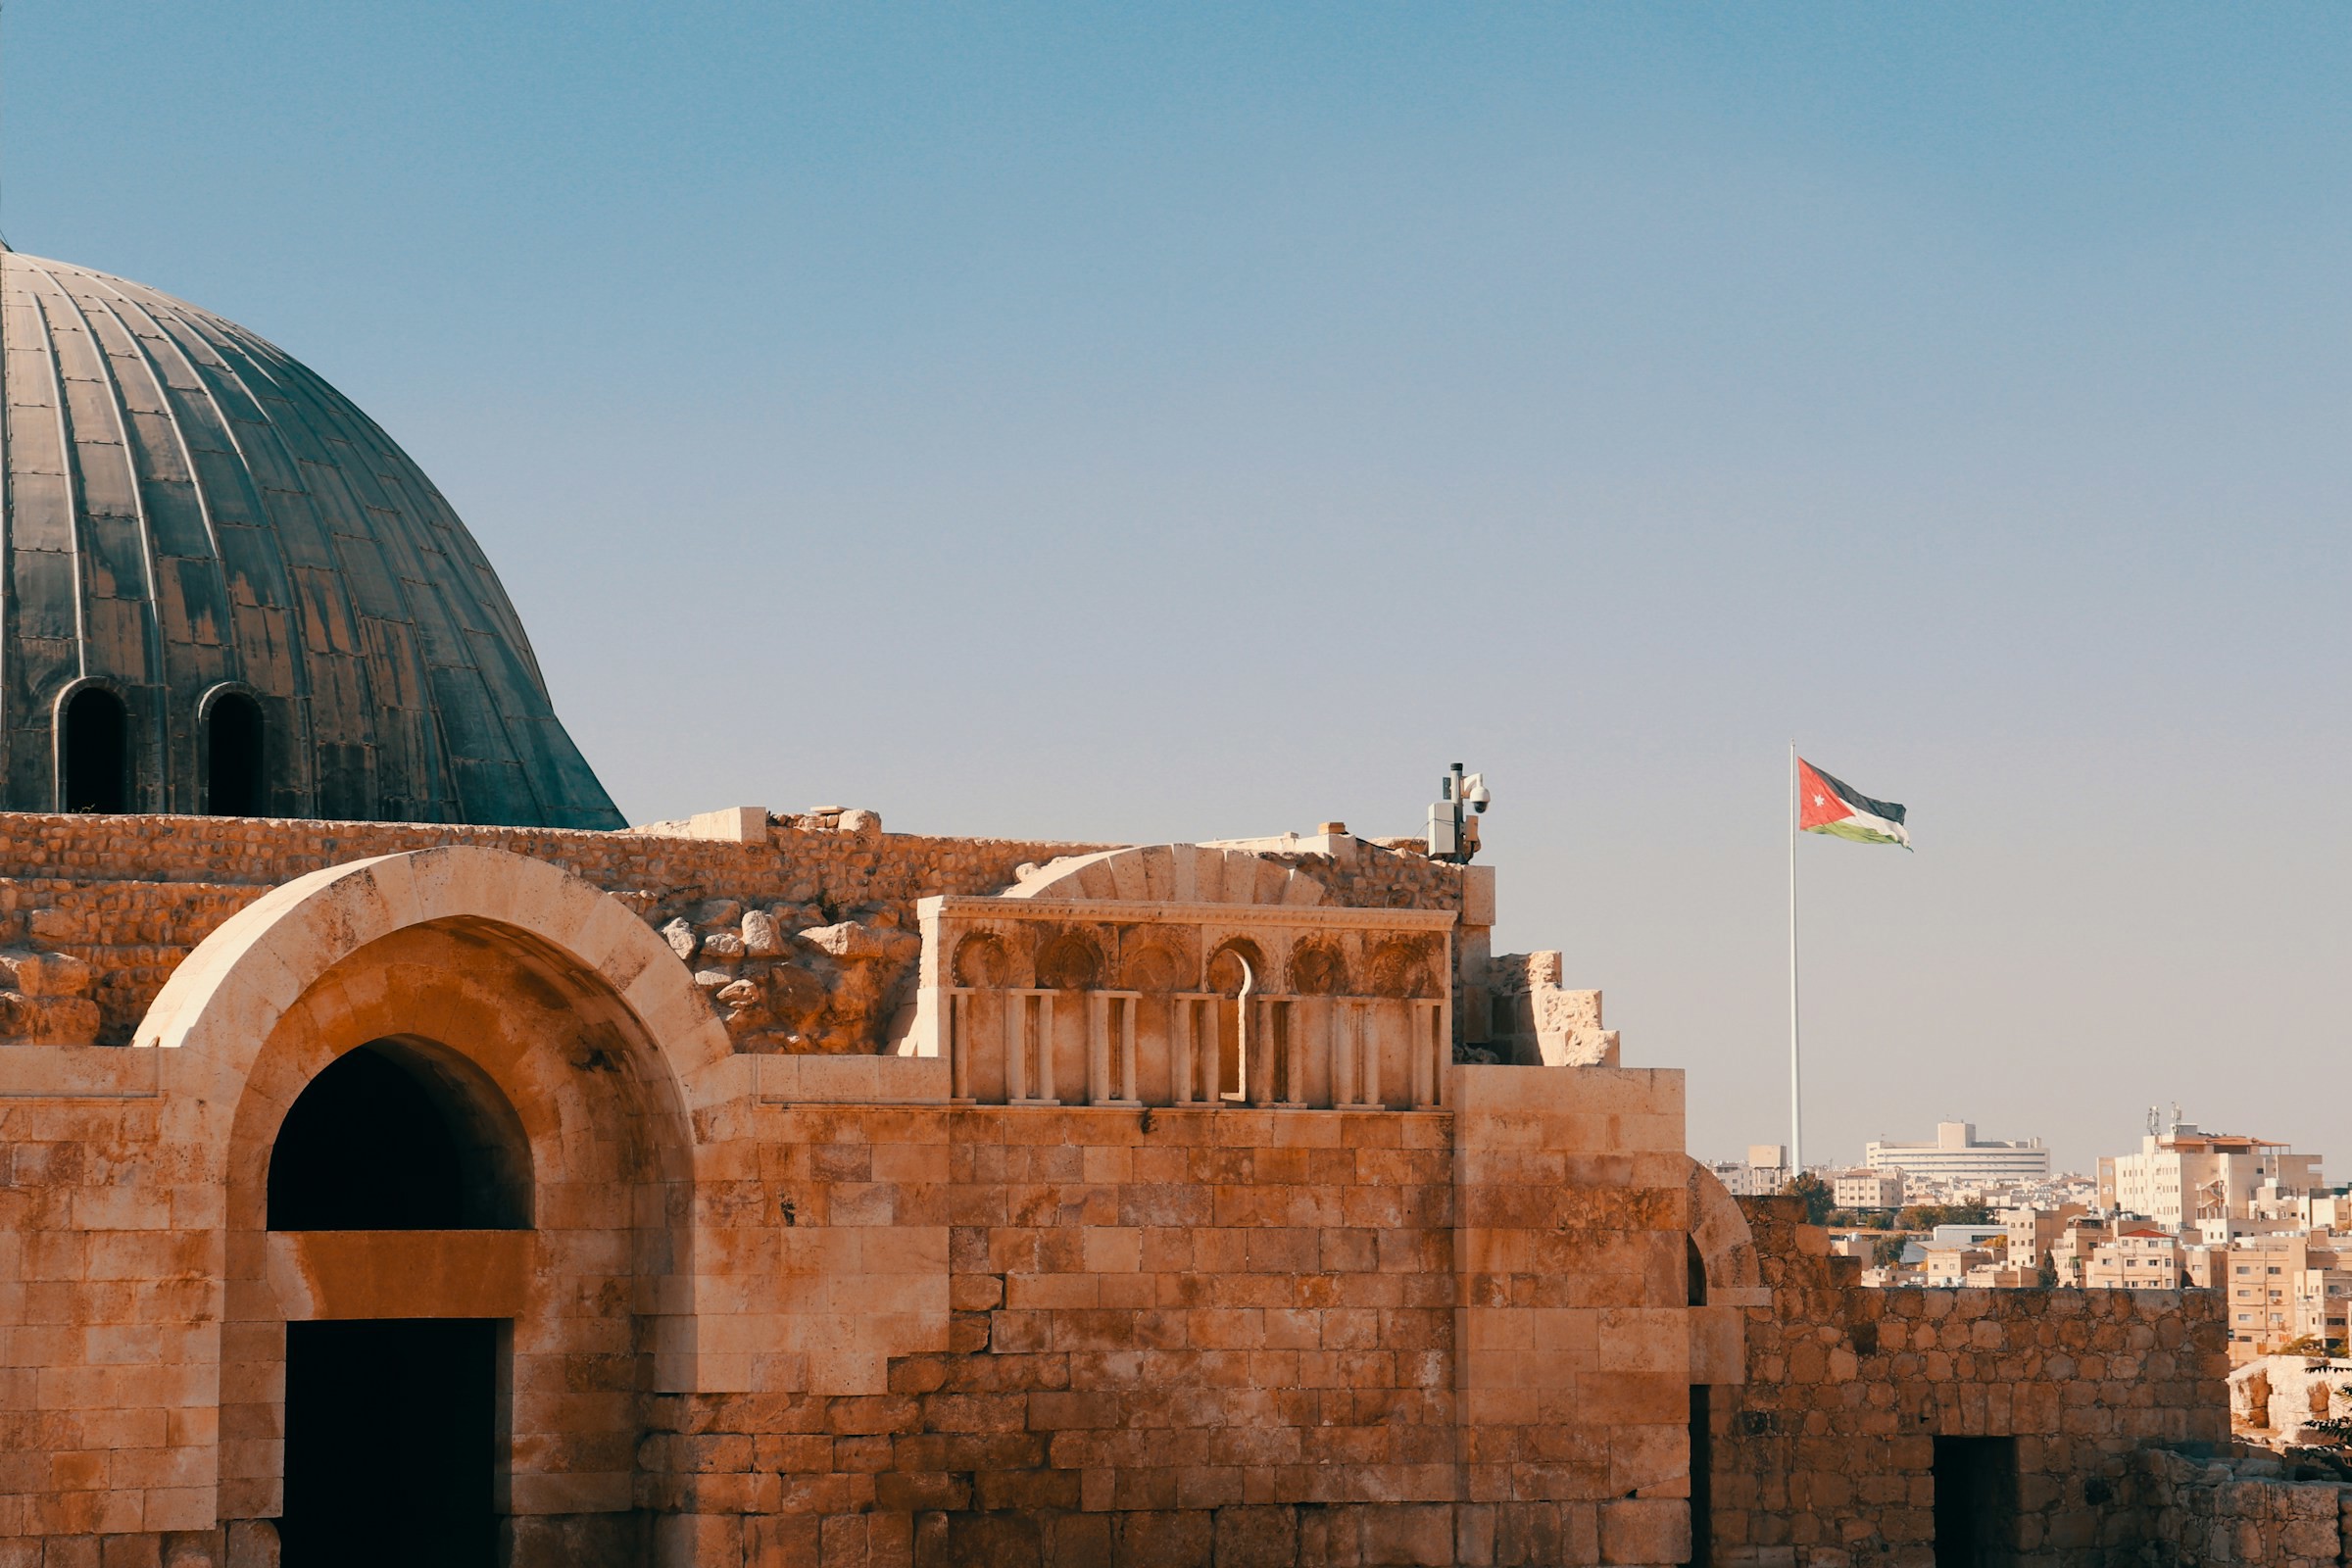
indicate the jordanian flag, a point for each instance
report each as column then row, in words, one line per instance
column 1829, row 807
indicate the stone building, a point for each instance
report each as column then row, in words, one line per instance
column 400, row 1161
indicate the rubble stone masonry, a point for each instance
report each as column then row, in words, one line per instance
column 1829, row 1456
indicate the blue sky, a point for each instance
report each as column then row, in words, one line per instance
column 1134, row 424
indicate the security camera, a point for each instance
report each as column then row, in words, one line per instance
column 1475, row 792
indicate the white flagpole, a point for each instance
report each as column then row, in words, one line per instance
column 1796, row 1100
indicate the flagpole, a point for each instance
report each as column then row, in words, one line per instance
column 1796, row 1101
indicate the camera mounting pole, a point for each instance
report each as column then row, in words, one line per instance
column 1452, row 833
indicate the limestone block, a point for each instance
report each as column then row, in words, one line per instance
column 192, row 1549
column 736, row 824
column 1645, row 1530
column 252, row 1543
column 44, row 974
column 1718, row 1343
column 47, row 1020
column 761, row 937
column 390, row 1274
column 850, row 940
column 854, row 1080
column 1478, row 895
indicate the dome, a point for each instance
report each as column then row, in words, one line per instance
column 227, row 591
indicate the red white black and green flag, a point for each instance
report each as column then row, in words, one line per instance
column 1828, row 805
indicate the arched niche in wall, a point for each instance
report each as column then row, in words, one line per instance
column 233, row 753
column 94, row 749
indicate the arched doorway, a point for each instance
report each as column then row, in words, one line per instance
column 94, row 753
column 233, row 772
column 394, row 1442
column 493, row 964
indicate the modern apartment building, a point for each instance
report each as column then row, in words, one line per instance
column 1868, row 1189
column 2139, row 1257
column 2034, row 1233
column 2188, row 1175
column 2070, row 1251
column 1950, row 1265
column 2266, row 1274
column 1959, row 1157
column 2323, row 1296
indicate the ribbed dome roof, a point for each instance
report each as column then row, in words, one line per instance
column 234, row 557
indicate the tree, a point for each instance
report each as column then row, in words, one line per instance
column 1926, row 1216
column 1819, row 1198
column 1887, row 1250
column 2047, row 1276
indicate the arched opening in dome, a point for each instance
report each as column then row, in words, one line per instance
column 232, row 756
column 96, row 753
column 400, row 1135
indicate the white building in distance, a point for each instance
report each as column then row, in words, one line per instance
column 2189, row 1175
column 1868, row 1189
column 1764, row 1173
column 1959, row 1157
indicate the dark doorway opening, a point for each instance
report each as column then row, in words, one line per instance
column 232, row 756
column 399, row 1134
column 96, row 752
column 391, row 1444
column 1976, row 1502
column 1703, row 1446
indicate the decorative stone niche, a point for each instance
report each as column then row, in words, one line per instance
column 1045, row 1001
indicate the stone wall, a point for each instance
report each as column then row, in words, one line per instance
column 1827, row 1456
column 758, row 1313
column 803, row 937
column 1240, row 1337
column 2246, row 1508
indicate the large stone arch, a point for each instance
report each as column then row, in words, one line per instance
column 1733, row 1280
column 223, row 1001
column 585, row 1025
column 1727, row 1247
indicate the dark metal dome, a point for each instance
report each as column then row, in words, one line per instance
column 229, row 591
